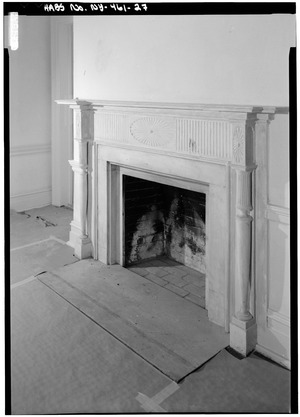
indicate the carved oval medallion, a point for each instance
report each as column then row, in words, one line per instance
column 238, row 145
column 153, row 131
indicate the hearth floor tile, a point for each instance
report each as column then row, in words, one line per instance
column 178, row 278
column 173, row 270
column 156, row 270
column 156, row 279
column 178, row 291
column 194, row 289
column 140, row 271
column 195, row 280
column 196, row 300
column 174, row 279
column 160, row 272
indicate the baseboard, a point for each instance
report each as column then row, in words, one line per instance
column 274, row 356
column 27, row 201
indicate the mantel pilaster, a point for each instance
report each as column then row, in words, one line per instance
column 83, row 134
column 243, row 332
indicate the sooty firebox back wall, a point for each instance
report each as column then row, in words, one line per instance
column 162, row 220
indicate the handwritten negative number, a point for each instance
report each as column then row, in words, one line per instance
column 137, row 7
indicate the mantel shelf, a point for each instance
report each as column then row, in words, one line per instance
column 231, row 108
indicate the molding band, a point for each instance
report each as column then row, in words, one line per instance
column 278, row 214
column 29, row 150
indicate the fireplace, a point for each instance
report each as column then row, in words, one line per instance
column 205, row 154
column 162, row 220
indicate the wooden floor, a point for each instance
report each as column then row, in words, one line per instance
column 165, row 329
column 63, row 362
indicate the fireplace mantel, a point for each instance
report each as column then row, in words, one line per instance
column 208, row 146
column 215, row 133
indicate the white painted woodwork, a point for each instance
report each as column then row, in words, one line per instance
column 30, row 200
column 243, row 240
column 29, row 150
column 205, row 147
column 79, row 238
column 29, row 190
column 272, row 220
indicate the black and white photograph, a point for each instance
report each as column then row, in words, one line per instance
column 150, row 164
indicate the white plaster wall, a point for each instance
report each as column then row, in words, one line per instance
column 279, row 237
column 278, row 162
column 62, row 116
column 30, row 115
column 204, row 59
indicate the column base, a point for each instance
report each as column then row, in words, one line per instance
column 243, row 335
column 83, row 247
column 74, row 234
column 81, row 243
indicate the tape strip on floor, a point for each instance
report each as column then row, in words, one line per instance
column 58, row 240
column 31, row 244
column 32, row 278
column 151, row 405
column 24, row 281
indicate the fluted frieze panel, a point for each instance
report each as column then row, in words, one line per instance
column 112, row 127
column 204, row 138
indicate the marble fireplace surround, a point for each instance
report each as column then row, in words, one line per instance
column 205, row 148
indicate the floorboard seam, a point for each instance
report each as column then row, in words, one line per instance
column 103, row 328
column 199, row 367
column 128, row 323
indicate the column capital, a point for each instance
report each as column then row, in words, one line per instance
column 244, row 168
column 242, row 143
column 78, row 167
column 264, row 118
column 83, row 123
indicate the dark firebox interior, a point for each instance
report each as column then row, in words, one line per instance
column 161, row 220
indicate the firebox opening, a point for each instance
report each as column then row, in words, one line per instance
column 163, row 221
